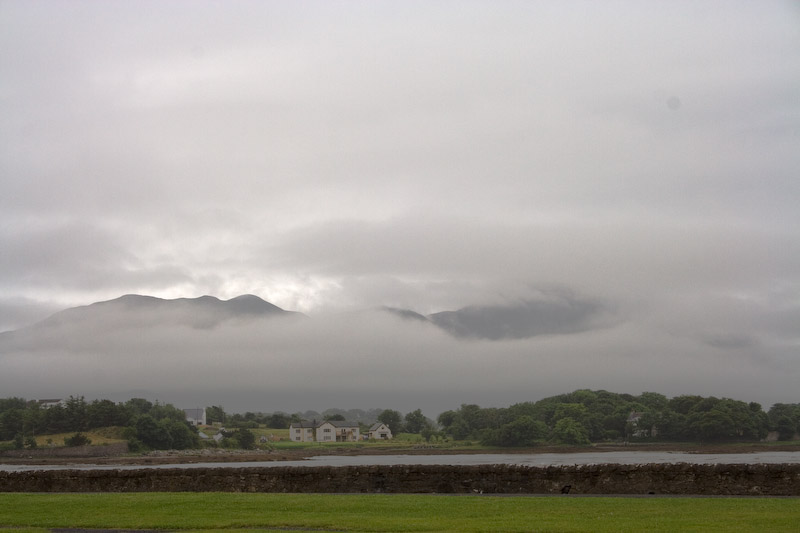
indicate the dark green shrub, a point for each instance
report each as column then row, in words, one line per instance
column 78, row 439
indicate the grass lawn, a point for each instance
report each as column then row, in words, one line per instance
column 380, row 512
column 108, row 435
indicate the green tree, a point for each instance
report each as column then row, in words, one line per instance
column 785, row 419
column 181, row 435
column 523, row 431
column 278, row 421
column 152, row 434
column 245, row 438
column 11, row 423
column 104, row 413
column 446, row 419
column 653, row 401
column 570, row 431
column 215, row 413
column 785, row 427
column 161, row 411
column 575, row 411
column 78, row 439
column 75, row 411
column 138, row 406
column 416, row 421
column 712, row 425
column 393, row 419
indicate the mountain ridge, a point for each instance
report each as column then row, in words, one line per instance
column 520, row 319
column 202, row 312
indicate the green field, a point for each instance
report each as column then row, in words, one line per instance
column 377, row 512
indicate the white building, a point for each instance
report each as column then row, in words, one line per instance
column 50, row 402
column 196, row 417
column 380, row 431
column 325, row 431
column 302, row 431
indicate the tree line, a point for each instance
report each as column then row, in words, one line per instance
column 586, row 416
column 579, row 417
column 146, row 424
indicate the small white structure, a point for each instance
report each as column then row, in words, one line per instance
column 50, row 402
column 380, row 431
column 219, row 436
column 196, row 417
column 638, row 431
column 325, row 431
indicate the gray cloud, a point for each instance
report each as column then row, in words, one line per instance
column 18, row 312
column 368, row 359
column 423, row 156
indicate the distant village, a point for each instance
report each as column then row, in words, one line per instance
column 310, row 431
column 581, row 417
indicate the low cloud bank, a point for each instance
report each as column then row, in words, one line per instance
column 374, row 359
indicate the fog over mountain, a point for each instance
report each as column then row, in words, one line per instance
column 248, row 354
column 467, row 201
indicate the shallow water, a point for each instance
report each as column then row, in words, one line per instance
column 539, row 459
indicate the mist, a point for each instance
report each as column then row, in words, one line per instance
column 373, row 359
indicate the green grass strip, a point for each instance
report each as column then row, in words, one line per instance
column 402, row 512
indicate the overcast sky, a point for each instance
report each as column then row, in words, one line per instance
column 332, row 157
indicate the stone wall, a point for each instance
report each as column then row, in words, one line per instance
column 757, row 479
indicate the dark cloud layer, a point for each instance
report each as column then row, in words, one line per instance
column 484, row 160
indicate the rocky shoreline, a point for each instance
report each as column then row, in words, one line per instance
column 237, row 456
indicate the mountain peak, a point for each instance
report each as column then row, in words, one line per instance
column 141, row 310
column 251, row 304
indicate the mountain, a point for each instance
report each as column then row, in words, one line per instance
column 520, row 320
column 133, row 310
column 405, row 314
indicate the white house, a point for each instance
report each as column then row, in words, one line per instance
column 196, row 417
column 50, row 402
column 380, row 431
column 325, row 431
column 345, row 431
column 302, row 431
column 639, row 432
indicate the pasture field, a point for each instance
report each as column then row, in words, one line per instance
column 215, row 512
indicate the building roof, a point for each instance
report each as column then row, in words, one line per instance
column 315, row 424
column 343, row 423
column 376, row 425
column 305, row 424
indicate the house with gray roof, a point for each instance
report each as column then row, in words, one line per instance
column 380, row 431
column 325, row 431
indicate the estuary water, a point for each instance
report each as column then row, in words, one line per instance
column 539, row 459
